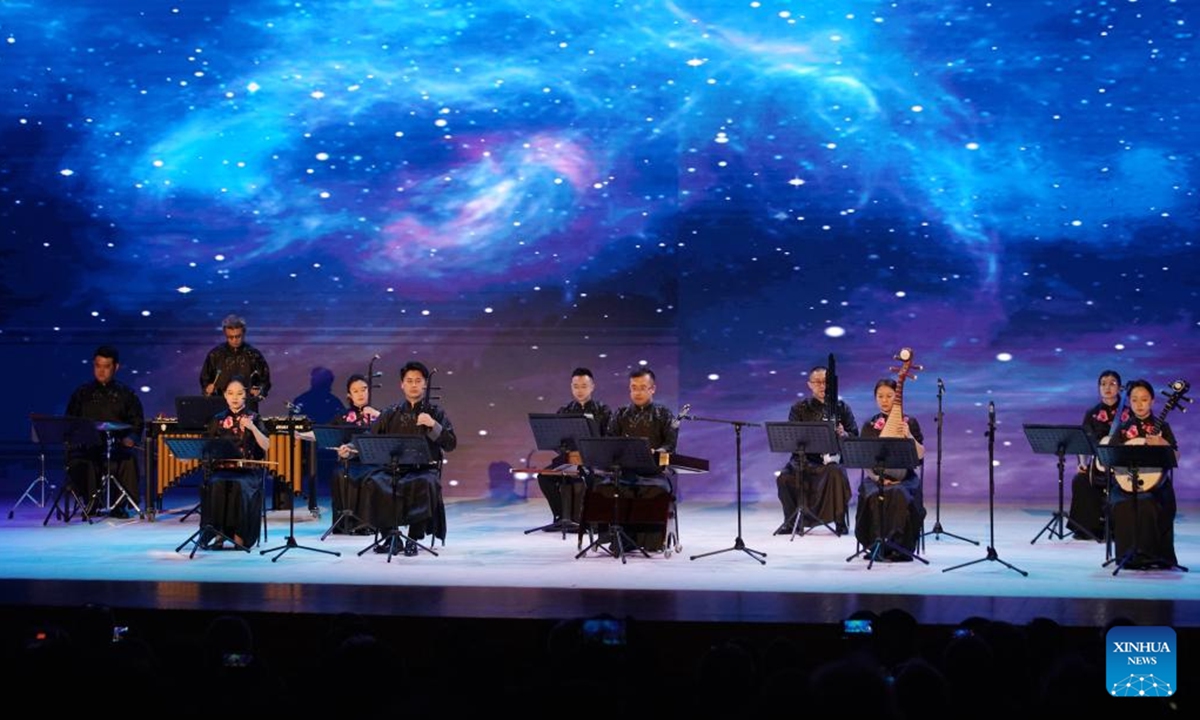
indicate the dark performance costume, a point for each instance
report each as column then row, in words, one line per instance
column 901, row 506
column 112, row 402
column 1155, row 512
column 1089, row 488
column 345, row 488
column 224, row 363
column 232, row 503
column 416, row 499
column 825, row 486
column 564, row 493
column 656, row 424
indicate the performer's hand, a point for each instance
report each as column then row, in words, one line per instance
column 370, row 413
column 127, row 442
column 209, row 388
column 1156, row 440
column 345, row 451
column 245, row 422
column 427, row 420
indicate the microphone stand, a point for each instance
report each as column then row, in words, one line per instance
column 992, row 555
column 738, row 543
column 937, row 530
column 290, row 541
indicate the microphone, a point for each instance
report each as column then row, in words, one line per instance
column 683, row 415
column 941, row 386
column 992, row 412
column 376, row 357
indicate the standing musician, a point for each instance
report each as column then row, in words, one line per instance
column 232, row 501
column 825, row 485
column 235, row 358
column 644, row 418
column 418, row 495
column 346, row 488
column 1089, row 487
column 104, row 399
column 583, row 385
column 902, row 506
column 1155, row 512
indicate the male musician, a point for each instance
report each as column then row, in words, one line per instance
column 646, row 419
column 417, row 491
column 563, row 489
column 825, row 487
column 1089, row 486
column 106, row 400
column 235, row 358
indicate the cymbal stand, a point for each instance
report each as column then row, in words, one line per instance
column 738, row 543
column 937, row 532
column 290, row 540
column 40, row 482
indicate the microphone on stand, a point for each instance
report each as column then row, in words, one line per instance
column 683, row 415
column 941, row 386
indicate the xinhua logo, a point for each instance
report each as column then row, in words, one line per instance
column 1141, row 661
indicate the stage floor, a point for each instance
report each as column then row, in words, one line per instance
column 489, row 568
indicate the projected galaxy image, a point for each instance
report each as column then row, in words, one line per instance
column 726, row 192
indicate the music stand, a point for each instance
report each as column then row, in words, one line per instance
column 560, row 433
column 193, row 412
column 207, row 451
column 1136, row 458
column 738, row 543
column 880, row 454
column 68, row 431
column 395, row 453
column 804, row 438
column 289, row 542
column 1058, row 440
column 331, row 437
column 40, row 482
column 618, row 455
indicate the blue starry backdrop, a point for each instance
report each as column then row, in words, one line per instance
column 726, row 192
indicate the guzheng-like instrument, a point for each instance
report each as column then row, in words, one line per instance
column 680, row 463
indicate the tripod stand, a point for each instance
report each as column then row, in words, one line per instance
column 207, row 451
column 396, row 454
column 561, row 433
column 1058, row 440
column 801, row 439
column 109, row 480
column 880, row 454
column 331, row 437
column 992, row 555
column 937, row 532
column 738, row 543
column 72, row 432
column 290, row 541
column 40, row 482
column 1138, row 458
column 619, row 455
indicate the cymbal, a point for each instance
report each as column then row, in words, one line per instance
column 112, row 426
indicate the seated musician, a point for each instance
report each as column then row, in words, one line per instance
column 821, row 485
column 1150, row 528
column 410, row 495
column 900, row 507
column 232, row 501
column 106, row 400
column 564, row 491
column 646, row 419
column 1089, row 486
column 346, row 487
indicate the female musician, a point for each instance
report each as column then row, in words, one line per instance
column 1150, row 530
column 232, row 504
column 901, row 509
column 1089, row 486
column 345, row 489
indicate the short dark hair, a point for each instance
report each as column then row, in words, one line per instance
column 240, row 380
column 582, row 372
column 1109, row 373
column 1140, row 383
column 414, row 365
column 643, row 372
column 885, row 381
column 107, row 351
column 355, row 378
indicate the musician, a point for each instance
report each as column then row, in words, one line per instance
column 644, row 418
column 104, row 399
column 901, row 506
column 235, row 358
column 1089, row 486
column 416, row 500
column 233, row 500
column 1154, row 523
column 346, row 488
column 825, row 485
column 583, row 385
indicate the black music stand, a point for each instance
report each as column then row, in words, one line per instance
column 804, row 438
column 880, row 454
column 1058, row 440
column 207, row 451
column 395, row 453
column 738, row 543
column 561, row 433
column 290, row 541
column 617, row 455
column 331, row 437
column 1136, row 458
column 70, row 431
